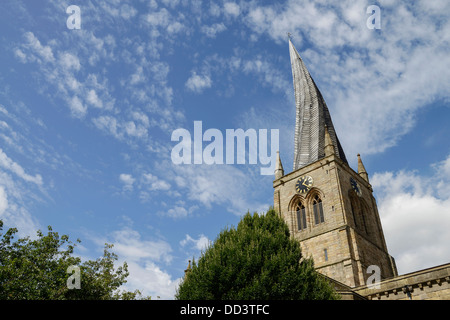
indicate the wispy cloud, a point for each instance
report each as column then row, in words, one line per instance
column 16, row 192
column 3, row 201
column 127, row 180
column 199, row 244
column 216, row 185
column 40, row 53
column 162, row 21
column 214, row 29
column 8, row 164
column 382, row 78
column 198, row 83
column 29, row 166
column 76, row 76
column 232, row 9
column 154, row 183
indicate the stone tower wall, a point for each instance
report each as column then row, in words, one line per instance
column 340, row 249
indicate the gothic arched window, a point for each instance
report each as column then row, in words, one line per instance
column 318, row 210
column 301, row 217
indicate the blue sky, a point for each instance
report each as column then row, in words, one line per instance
column 86, row 118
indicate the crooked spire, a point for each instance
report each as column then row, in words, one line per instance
column 312, row 116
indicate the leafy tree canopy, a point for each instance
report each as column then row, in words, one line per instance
column 39, row 270
column 258, row 260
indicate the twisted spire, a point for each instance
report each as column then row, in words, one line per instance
column 312, row 116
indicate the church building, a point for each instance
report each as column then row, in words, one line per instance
column 330, row 209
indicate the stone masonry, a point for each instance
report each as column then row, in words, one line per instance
column 341, row 249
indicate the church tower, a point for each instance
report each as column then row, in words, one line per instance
column 329, row 208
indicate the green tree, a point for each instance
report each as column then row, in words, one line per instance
column 38, row 270
column 257, row 260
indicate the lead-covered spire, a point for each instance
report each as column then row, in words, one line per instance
column 312, row 116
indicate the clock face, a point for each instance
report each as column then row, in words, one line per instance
column 304, row 184
column 356, row 187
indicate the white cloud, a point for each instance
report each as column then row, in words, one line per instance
column 198, row 83
column 442, row 182
column 199, row 244
column 154, row 182
column 213, row 30
column 151, row 280
column 93, row 99
column 127, row 180
column 138, row 76
column 134, row 130
column 43, row 53
column 68, row 61
column 146, row 187
column 177, row 212
column 8, row 164
column 160, row 185
column 444, row 167
column 175, row 27
column 415, row 213
column 19, row 54
column 129, row 245
column 3, row 201
column 13, row 211
column 108, row 124
column 77, row 108
column 159, row 18
column 122, row 129
column 231, row 9
column 141, row 117
column 143, row 258
column 163, row 19
column 217, row 185
column 416, row 229
column 127, row 11
column 171, row 3
column 271, row 76
column 214, row 9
